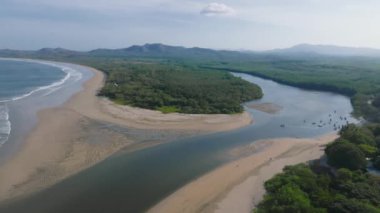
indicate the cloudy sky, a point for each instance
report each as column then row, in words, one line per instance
column 227, row 24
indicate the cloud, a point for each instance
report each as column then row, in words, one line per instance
column 217, row 9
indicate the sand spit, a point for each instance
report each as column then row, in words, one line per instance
column 70, row 138
column 238, row 186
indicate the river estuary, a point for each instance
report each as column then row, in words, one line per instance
column 134, row 181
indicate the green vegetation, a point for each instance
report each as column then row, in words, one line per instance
column 356, row 77
column 343, row 154
column 347, row 190
column 195, row 80
column 302, row 188
column 363, row 138
column 168, row 109
column 358, row 135
column 341, row 186
column 161, row 77
column 170, row 87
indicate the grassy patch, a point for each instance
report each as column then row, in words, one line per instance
column 168, row 109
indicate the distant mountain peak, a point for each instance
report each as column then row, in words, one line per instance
column 153, row 47
column 332, row 50
column 55, row 50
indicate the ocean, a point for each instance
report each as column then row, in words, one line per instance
column 22, row 79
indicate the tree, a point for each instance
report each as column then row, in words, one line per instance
column 344, row 175
column 342, row 154
column 301, row 189
column 342, row 204
column 357, row 135
column 368, row 150
column 288, row 198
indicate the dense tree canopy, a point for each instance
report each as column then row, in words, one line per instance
column 341, row 188
column 358, row 135
column 300, row 189
column 175, row 88
column 342, row 154
column 358, row 78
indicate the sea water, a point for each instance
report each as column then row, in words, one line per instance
column 20, row 79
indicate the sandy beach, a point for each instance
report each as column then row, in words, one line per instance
column 238, row 186
column 86, row 103
column 72, row 137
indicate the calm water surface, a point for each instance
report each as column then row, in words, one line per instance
column 133, row 182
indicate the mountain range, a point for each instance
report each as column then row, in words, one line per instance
column 161, row 50
column 330, row 50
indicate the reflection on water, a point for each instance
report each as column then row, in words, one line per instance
column 132, row 182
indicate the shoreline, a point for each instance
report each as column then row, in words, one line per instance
column 101, row 108
column 242, row 184
column 22, row 110
column 68, row 138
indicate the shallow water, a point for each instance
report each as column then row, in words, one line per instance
column 28, row 86
column 133, row 182
column 19, row 79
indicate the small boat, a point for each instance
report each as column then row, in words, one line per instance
column 282, row 125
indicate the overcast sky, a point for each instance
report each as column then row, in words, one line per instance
column 227, row 24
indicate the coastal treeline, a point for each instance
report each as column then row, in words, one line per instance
column 170, row 87
column 356, row 77
column 342, row 184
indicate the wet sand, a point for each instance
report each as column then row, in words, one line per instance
column 238, row 186
column 266, row 107
column 68, row 139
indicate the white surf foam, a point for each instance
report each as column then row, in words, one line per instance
column 5, row 125
column 71, row 74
